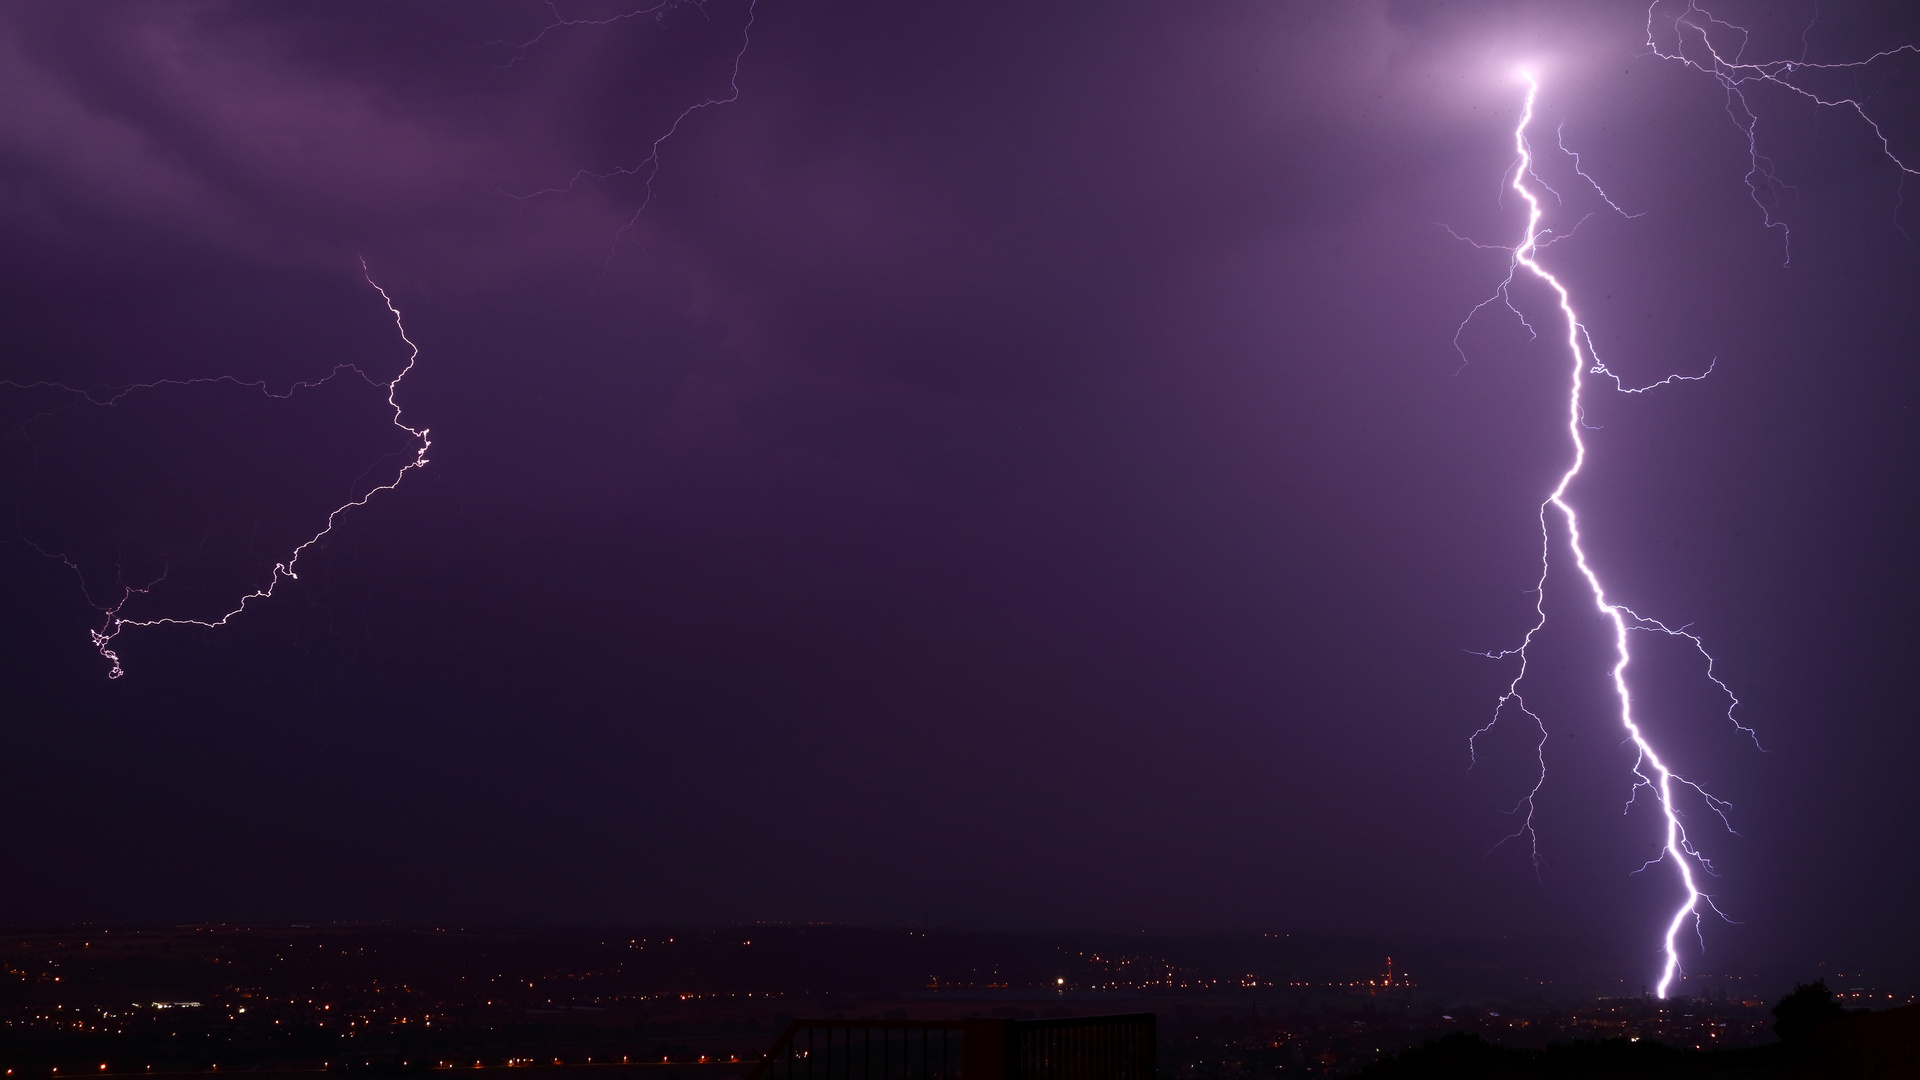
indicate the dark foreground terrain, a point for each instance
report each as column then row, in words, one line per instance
column 693, row 1004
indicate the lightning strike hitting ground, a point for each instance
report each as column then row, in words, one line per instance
column 1651, row 772
column 1691, row 35
column 114, row 623
column 1687, row 36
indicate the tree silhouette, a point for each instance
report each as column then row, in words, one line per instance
column 1808, row 1007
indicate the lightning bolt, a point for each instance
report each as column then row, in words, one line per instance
column 1693, row 36
column 1687, row 37
column 115, row 620
column 1651, row 772
column 648, row 167
column 114, row 623
column 561, row 22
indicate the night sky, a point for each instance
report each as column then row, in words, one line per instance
column 1015, row 469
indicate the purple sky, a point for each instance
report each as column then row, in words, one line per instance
column 1015, row 472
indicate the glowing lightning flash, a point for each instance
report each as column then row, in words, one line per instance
column 116, row 624
column 1650, row 771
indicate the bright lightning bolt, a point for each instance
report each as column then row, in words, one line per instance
column 1651, row 772
column 115, row 623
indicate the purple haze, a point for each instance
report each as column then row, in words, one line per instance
column 1016, row 470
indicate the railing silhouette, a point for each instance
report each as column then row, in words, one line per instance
column 1075, row 1048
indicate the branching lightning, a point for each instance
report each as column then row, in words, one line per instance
column 1691, row 35
column 648, row 167
column 116, row 617
column 561, row 22
column 114, row 622
column 1651, row 772
column 1688, row 37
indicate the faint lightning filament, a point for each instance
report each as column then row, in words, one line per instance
column 1689, row 39
column 114, row 623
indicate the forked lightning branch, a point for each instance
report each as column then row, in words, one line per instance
column 1691, row 35
column 1652, row 774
